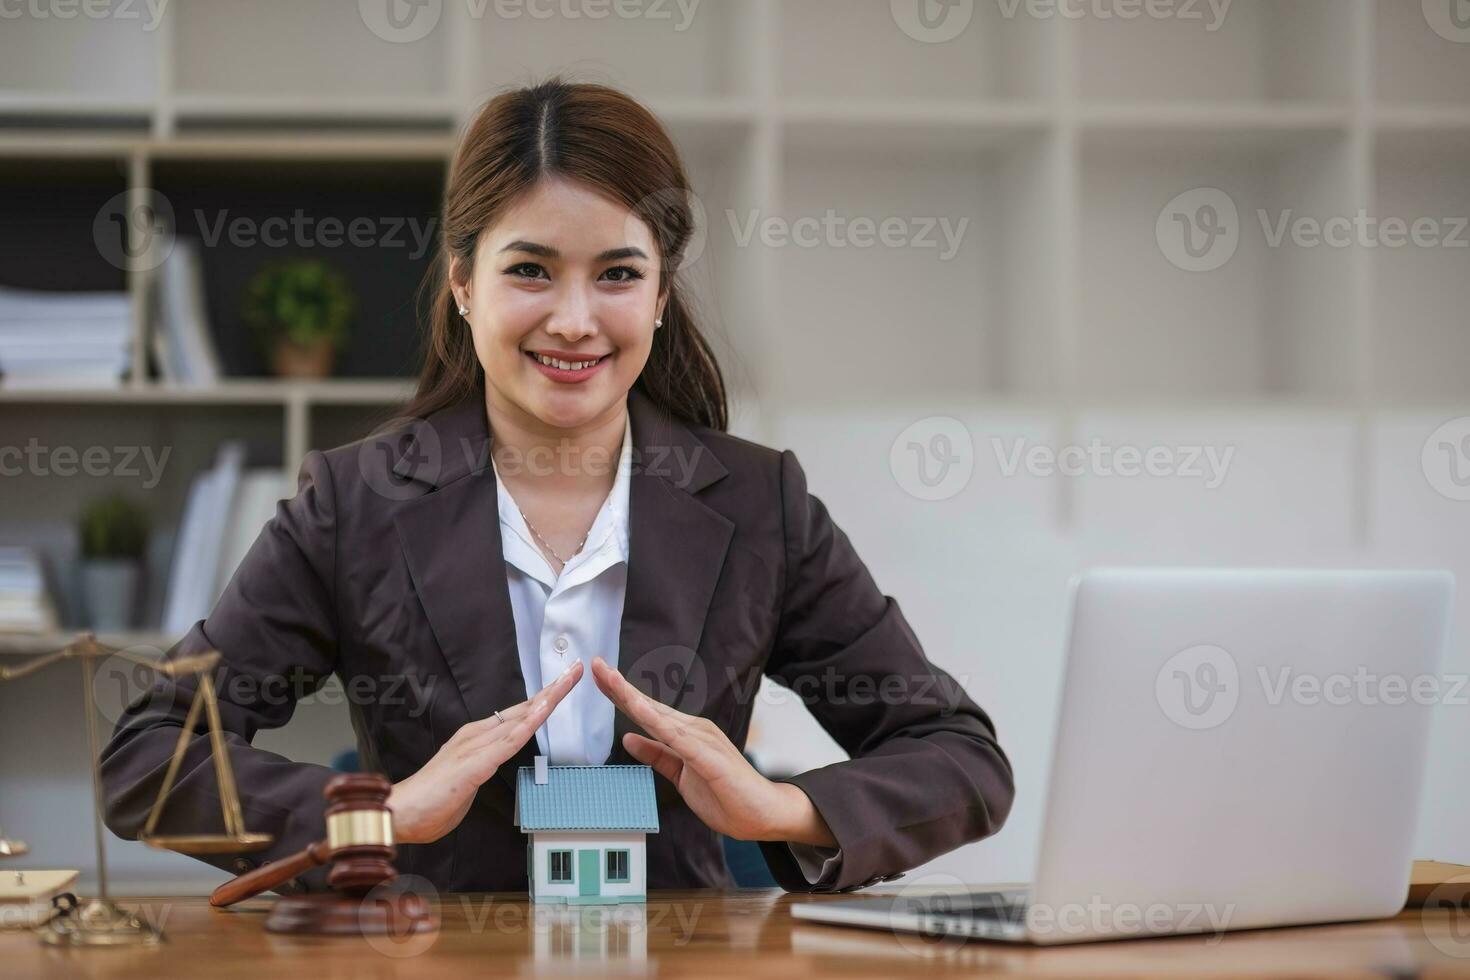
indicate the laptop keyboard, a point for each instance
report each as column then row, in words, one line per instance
column 989, row 906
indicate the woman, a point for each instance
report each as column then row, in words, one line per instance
column 565, row 554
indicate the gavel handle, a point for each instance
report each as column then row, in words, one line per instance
column 270, row 875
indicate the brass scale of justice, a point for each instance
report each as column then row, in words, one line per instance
column 357, row 800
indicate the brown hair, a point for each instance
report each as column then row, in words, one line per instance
column 603, row 138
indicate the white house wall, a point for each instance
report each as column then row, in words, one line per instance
column 544, row 842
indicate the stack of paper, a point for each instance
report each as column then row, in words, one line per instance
column 200, row 540
column 25, row 604
column 226, row 508
column 182, row 343
column 26, row 896
column 64, row 339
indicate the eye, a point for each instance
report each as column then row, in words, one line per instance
column 520, row 270
column 633, row 275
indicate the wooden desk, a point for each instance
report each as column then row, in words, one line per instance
column 712, row 934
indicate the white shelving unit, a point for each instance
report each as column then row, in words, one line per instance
column 1056, row 138
column 1058, row 141
column 1052, row 143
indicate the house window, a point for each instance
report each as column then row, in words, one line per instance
column 559, row 871
column 617, row 866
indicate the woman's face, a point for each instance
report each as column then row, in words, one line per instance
column 562, row 300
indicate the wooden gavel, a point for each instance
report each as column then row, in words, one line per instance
column 359, row 845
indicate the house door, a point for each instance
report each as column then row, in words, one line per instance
column 589, row 872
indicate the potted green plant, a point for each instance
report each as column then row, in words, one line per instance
column 114, row 535
column 300, row 310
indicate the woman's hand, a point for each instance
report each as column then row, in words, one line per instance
column 720, row 786
column 432, row 802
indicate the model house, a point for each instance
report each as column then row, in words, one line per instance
column 586, row 827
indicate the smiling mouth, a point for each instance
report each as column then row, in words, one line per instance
column 567, row 364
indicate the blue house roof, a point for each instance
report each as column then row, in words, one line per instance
column 587, row 798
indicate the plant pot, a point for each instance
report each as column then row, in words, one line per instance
column 109, row 591
column 292, row 360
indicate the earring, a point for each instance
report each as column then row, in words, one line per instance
column 464, row 310
column 658, row 323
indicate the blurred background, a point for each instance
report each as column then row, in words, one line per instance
column 1028, row 285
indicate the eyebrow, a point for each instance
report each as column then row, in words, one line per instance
column 546, row 251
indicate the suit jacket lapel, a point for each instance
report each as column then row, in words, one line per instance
column 677, row 551
column 451, row 537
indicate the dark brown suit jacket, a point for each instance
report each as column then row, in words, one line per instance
column 387, row 566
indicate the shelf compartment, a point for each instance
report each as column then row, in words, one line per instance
column 1419, row 60
column 859, row 314
column 1259, row 51
column 398, row 200
column 1268, row 321
column 49, row 224
column 107, row 62
column 1421, row 328
column 309, row 51
column 992, row 56
column 659, row 54
column 145, row 453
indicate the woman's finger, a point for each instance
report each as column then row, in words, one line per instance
column 674, row 728
column 557, row 689
column 482, row 755
column 664, row 760
column 507, row 740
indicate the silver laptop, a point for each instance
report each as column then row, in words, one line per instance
column 1234, row 749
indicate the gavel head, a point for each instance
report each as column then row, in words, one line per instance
column 359, row 833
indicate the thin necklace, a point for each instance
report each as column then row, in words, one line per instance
column 550, row 550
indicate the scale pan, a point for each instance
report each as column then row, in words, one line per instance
column 208, row 843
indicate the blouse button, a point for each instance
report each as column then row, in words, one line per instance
column 560, row 644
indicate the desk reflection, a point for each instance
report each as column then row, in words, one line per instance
column 602, row 938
